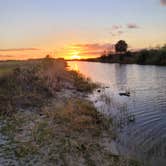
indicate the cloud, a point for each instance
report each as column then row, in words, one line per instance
column 120, row 32
column 163, row 2
column 5, row 56
column 116, row 27
column 132, row 26
column 95, row 46
column 88, row 49
column 93, row 53
column 116, row 30
column 117, row 33
column 19, row 49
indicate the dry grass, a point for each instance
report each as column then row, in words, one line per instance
column 66, row 131
column 30, row 85
column 33, row 84
column 81, row 83
column 76, row 114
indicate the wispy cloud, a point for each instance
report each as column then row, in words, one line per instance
column 163, row 2
column 116, row 30
column 132, row 26
column 5, row 56
column 19, row 49
column 120, row 32
column 116, row 27
column 117, row 33
column 94, row 46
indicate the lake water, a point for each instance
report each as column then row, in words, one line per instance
column 140, row 119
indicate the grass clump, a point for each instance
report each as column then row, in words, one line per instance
column 42, row 132
column 11, row 125
column 81, row 83
column 78, row 115
column 24, row 149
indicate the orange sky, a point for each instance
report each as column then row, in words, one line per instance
column 73, row 51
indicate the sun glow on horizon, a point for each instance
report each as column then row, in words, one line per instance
column 75, row 57
column 74, row 54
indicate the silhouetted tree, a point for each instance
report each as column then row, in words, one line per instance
column 121, row 46
column 47, row 56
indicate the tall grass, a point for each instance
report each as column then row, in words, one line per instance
column 30, row 85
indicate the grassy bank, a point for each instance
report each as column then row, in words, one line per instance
column 45, row 118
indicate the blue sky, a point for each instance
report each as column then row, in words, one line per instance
column 51, row 25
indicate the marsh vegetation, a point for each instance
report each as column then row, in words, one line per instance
column 46, row 119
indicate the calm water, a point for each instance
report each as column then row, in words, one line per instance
column 145, row 136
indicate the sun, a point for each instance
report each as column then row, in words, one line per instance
column 75, row 57
column 75, row 54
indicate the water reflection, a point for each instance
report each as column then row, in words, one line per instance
column 146, row 137
column 121, row 76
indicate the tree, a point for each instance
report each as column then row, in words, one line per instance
column 47, row 56
column 121, row 46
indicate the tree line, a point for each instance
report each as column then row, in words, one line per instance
column 153, row 56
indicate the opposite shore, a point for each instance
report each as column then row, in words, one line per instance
column 153, row 56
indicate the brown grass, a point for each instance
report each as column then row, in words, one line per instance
column 76, row 114
column 82, row 83
column 63, row 131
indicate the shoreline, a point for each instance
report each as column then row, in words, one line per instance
column 107, row 62
column 48, row 119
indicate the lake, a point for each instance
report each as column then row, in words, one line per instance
column 140, row 119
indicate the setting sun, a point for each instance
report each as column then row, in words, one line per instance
column 74, row 54
column 75, row 57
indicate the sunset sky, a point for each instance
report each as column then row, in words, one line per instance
column 78, row 28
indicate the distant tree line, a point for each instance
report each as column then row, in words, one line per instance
column 153, row 56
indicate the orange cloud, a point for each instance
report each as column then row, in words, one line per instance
column 21, row 53
column 19, row 49
column 89, row 50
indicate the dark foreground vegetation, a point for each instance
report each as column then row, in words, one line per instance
column 45, row 118
column 155, row 56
